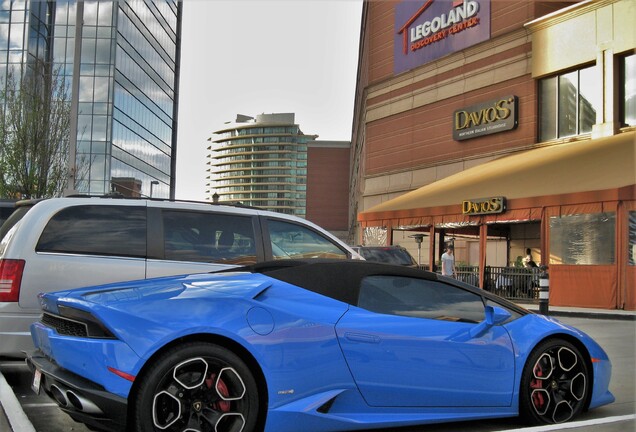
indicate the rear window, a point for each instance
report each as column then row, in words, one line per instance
column 12, row 220
column 96, row 230
column 388, row 255
column 5, row 212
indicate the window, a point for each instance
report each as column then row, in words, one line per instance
column 387, row 254
column 208, row 237
column 419, row 298
column 568, row 103
column 5, row 211
column 11, row 221
column 96, row 230
column 583, row 239
column 292, row 241
column 628, row 90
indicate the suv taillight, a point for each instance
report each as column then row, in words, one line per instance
column 10, row 279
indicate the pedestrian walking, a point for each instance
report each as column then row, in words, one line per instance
column 448, row 262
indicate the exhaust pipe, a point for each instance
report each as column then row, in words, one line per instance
column 82, row 404
column 69, row 399
column 58, row 396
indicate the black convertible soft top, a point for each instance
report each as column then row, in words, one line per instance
column 341, row 279
column 338, row 279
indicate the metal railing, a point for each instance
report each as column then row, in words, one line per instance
column 513, row 283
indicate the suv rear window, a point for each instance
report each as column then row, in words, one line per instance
column 5, row 212
column 12, row 220
column 96, row 230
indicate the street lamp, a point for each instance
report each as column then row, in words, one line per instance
column 152, row 184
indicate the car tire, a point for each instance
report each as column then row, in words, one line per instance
column 555, row 383
column 196, row 386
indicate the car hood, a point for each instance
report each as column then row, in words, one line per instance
column 204, row 285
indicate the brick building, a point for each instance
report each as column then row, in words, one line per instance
column 500, row 127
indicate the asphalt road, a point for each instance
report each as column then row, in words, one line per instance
column 617, row 337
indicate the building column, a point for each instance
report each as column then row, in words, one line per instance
column 607, row 122
column 483, row 241
column 431, row 248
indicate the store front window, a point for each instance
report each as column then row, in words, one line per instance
column 628, row 90
column 568, row 103
column 583, row 239
column 375, row 236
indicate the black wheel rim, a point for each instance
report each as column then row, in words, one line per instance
column 558, row 385
column 201, row 394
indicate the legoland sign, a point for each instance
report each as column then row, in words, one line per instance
column 430, row 29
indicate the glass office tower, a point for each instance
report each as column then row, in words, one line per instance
column 120, row 61
column 261, row 162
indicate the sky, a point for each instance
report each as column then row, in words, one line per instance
column 263, row 56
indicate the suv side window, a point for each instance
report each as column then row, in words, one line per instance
column 96, row 230
column 208, row 237
column 292, row 241
column 419, row 298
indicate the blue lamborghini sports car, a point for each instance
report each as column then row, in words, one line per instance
column 312, row 345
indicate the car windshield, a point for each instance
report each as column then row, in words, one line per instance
column 387, row 255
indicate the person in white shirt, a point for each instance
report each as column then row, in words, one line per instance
column 448, row 262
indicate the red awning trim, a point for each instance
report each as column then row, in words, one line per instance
column 518, row 210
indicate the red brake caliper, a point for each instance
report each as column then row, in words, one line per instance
column 537, row 397
column 220, row 405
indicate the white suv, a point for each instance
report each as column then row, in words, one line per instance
column 63, row 243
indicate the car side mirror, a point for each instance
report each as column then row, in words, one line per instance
column 494, row 315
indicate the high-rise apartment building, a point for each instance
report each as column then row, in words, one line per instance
column 261, row 162
column 120, row 61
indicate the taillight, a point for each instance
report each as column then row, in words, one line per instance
column 10, row 279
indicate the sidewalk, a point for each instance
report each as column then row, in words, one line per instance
column 13, row 418
column 558, row 311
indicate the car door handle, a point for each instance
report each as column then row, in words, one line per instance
column 362, row 337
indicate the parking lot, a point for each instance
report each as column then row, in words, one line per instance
column 617, row 336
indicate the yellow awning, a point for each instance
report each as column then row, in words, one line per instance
column 591, row 165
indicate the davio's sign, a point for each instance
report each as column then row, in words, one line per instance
column 482, row 206
column 429, row 29
column 486, row 118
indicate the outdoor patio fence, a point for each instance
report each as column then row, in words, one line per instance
column 513, row 283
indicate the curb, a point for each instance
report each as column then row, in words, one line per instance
column 592, row 315
column 586, row 313
column 18, row 421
